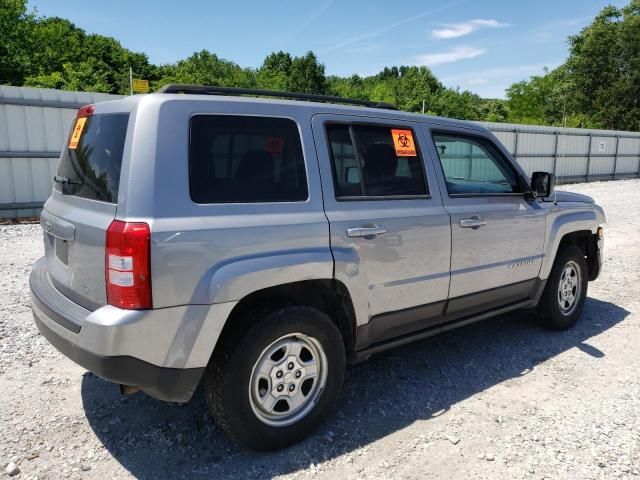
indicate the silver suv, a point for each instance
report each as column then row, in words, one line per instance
column 259, row 245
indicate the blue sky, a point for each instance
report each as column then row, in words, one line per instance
column 482, row 46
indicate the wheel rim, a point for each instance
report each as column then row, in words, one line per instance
column 288, row 379
column 569, row 288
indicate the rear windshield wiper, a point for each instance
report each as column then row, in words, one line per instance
column 67, row 180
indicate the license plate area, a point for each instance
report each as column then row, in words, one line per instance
column 62, row 250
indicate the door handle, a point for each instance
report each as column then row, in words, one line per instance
column 473, row 222
column 367, row 231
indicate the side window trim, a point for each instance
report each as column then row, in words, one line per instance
column 433, row 132
column 352, row 136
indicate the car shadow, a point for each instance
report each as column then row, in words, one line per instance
column 154, row 439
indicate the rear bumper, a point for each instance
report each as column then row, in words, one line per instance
column 170, row 384
column 163, row 352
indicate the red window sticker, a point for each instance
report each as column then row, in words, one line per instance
column 275, row 145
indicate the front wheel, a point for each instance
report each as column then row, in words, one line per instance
column 566, row 290
column 277, row 382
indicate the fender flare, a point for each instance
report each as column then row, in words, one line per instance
column 563, row 224
column 238, row 277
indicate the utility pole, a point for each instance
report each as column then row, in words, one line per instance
column 423, row 107
column 131, row 80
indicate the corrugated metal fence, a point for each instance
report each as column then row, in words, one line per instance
column 34, row 123
column 572, row 154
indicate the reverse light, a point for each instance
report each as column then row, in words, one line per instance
column 128, row 265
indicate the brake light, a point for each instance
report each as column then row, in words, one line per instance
column 86, row 111
column 128, row 265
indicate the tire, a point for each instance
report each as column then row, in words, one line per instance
column 242, row 380
column 556, row 309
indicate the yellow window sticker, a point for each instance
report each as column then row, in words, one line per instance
column 77, row 132
column 403, row 141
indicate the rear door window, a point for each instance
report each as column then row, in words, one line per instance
column 91, row 163
column 375, row 161
column 243, row 159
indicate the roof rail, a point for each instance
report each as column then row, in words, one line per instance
column 213, row 90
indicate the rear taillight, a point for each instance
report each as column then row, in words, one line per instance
column 128, row 266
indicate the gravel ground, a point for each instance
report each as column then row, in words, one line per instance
column 498, row 399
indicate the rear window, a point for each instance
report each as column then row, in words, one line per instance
column 375, row 161
column 242, row 159
column 90, row 165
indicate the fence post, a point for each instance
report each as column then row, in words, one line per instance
column 555, row 153
column 515, row 144
column 589, row 157
column 615, row 158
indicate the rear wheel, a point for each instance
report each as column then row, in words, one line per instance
column 566, row 290
column 274, row 384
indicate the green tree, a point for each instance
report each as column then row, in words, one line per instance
column 206, row 68
column 82, row 76
column 604, row 67
column 599, row 84
column 15, row 41
column 307, row 75
column 415, row 85
column 456, row 104
column 493, row 110
column 530, row 100
column 275, row 71
column 352, row 87
column 59, row 42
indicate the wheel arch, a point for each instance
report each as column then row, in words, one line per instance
column 570, row 228
column 327, row 295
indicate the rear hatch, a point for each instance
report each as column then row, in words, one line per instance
column 83, row 205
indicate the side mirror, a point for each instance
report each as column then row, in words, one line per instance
column 542, row 184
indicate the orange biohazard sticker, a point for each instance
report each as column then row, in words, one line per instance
column 403, row 141
column 77, row 132
column 275, row 145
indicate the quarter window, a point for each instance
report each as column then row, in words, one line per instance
column 474, row 166
column 374, row 161
column 237, row 159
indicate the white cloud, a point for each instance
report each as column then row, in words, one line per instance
column 477, row 81
column 455, row 30
column 458, row 53
column 497, row 79
column 511, row 71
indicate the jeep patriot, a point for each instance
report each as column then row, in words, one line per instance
column 259, row 245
